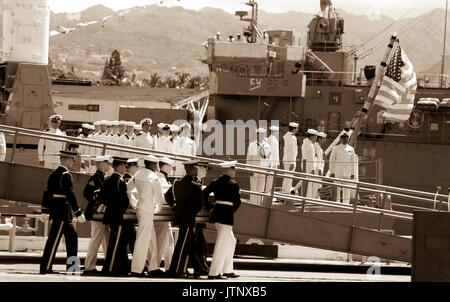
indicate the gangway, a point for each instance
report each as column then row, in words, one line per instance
column 19, row 182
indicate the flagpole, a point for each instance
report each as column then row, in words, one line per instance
column 359, row 119
column 443, row 51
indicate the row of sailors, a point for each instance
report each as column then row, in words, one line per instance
column 264, row 152
column 170, row 139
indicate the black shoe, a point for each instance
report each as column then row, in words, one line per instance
column 231, row 275
column 218, row 277
column 175, row 275
column 137, row 275
column 45, row 272
column 198, row 274
column 91, row 272
column 157, row 273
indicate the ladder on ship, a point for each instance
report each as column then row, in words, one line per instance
column 288, row 224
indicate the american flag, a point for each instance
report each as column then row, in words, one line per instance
column 398, row 88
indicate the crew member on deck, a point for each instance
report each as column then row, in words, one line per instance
column 309, row 159
column 186, row 198
column 145, row 139
column 227, row 201
column 258, row 154
column 150, row 201
column 2, row 147
column 48, row 150
column 290, row 152
column 99, row 231
column 114, row 196
column 343, row 164
column 57, row 205
column 164, row 238
column 272, row 140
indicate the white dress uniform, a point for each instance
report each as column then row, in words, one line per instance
column 185, row 146
column 165, row 144
column 309, row 155
column 48, row 150
column 258, row 154
column 290, row 153
column 2, row 147
column 343, row 164
column 272, row 140
column 84, row 151
column 164, row 238
column 151, row 198
column 147, row 141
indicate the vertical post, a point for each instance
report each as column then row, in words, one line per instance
column 355, row 205
column 104, row 149
column 12, row 236
column 443, row 48
column 380, row 224
column 13, row 154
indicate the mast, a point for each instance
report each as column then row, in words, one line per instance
column 443, row 50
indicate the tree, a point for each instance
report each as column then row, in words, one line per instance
column 113, row 70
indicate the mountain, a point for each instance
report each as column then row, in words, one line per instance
column 161, row 39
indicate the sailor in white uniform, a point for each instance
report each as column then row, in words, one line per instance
column 258, row 154
column 164, row 239
column 48, row 150
column 164, row 140
column 309, row 158
column 272, row 140
column 290, row 152
column 150, row 201
column 145, row 139
column 183, row 145
column 343, row 164
column 2, row 147
column 320, row 162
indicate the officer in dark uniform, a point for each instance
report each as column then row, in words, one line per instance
column 186, row 198
column 58, row 203
column 128, row 226
column 114, row 196
column 227, row 201
column 198, row 260
column 99, row 232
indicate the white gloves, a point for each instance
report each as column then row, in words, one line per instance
column 81, row 218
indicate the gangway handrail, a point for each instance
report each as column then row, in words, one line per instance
column 263, row 170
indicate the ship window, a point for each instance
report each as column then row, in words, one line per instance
column 334, row 121
column 335, row 98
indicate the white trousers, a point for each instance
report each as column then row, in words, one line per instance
column 222, row 261
column 269, row 181
column 145, row 247
column 287, row 182
column 164, row 243
column 99, row 235
column 345, row 191
column 257, row 184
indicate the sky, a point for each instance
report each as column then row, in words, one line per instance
column 392, row 8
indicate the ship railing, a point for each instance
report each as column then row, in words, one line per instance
column 358, row 186
column 433, row 81
column 339, row 78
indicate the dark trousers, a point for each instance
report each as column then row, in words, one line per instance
column 183, row 249
column 59, row 228
column 198, row 259
column 116, row 260
column 130, row 231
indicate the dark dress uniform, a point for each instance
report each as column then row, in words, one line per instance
column 227, row 201
column 61, row 202
column 200, row 250
column 224, row 189
column 94, row 184
column 114, row 195
column 186, row 197
column 127, row 225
